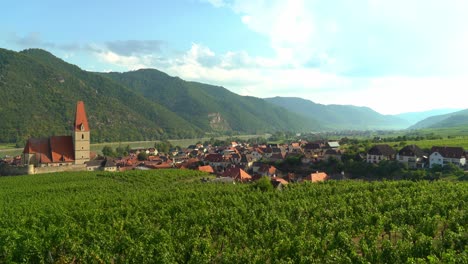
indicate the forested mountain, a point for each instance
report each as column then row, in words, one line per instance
column 212, row 107
column 414, row 117
column 340, row 116
column 456, row 119
column 39, row 92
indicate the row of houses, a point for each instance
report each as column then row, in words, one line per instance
column 415, row 157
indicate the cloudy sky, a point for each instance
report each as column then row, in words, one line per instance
column 391, row 55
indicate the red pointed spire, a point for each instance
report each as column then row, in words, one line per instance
column 81, row 122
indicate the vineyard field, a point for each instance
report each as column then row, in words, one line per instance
column 448, row 142
column 171, row 216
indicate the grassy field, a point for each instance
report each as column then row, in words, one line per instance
column 170, row 216
column 449, row 142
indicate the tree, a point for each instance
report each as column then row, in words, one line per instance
column 263, row 184
column 142, row 156
column 108, row 151
column 163, row 146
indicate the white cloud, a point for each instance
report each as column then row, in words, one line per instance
column 127, row 62
column 394, row 56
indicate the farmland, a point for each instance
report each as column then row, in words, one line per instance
column 449, row 142
column 170, row 216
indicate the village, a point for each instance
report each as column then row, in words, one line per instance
column 245, row 162
column 229, row 161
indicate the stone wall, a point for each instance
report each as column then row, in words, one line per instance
column 51, row 169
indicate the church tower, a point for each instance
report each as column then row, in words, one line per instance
column 81, row 134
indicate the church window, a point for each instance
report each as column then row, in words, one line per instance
column 82, row 136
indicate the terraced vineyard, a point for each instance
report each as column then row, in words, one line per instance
column 170, row 216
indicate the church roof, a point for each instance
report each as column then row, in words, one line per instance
column 62, row 148
column 37, row 145
column 53, row 149
column 80, row 117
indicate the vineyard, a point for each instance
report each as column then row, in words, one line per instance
column 170, row 216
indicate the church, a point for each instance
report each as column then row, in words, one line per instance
column 65, row 152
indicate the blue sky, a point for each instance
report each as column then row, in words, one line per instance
column 393, row 56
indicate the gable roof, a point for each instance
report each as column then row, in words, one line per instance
column 53, row 149
column 206, row 168
column 449, row 152
column 61, row 148
column 40, row 147
column 411, row 150
column 333, row 144
column 80, row 118
column 237, row 174
column 317, row 176
column 381, row 150
column 214, row 157
column 37, row 145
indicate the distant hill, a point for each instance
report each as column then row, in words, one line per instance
column 39, row 92
column 340, row 116
column 212, row 107
column 414, row 117
column 456, row 119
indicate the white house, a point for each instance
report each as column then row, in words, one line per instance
column 380, row 152
column 413, row 156
column 445, row 155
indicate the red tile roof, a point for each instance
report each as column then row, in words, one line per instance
column 206, row 168
column 237, row 174
column 282, row 181
column 53, row 149
column 37, row 145
column 214, row 158
column 318, row 176
column 62, row 149
column 80, row 117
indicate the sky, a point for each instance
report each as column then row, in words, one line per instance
column 393, row 56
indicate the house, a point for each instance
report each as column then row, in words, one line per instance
column 206, row 168
column 332, row 153
column 93, row 165
column 237, row 174
column 333, row 145
column 215, row 160
column 109, row 165
column 413, row 156
column 445, row 155
column 277, row 157
column 278, row 183
column 380, row 152
column 267, row 170
column 246, row 161
column 257, row 154
column 316, row 177
column 57, row 151
column 104, row 165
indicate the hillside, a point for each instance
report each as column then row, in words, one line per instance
column 414, row 117
column 170, row 216
column 39, row 93
column 212, row 107
column 456, row 119
column 340, row 116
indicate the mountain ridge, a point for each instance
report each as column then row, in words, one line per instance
column 40, row 90
column 340, row 116
column 244, row 113
column 455, row 119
